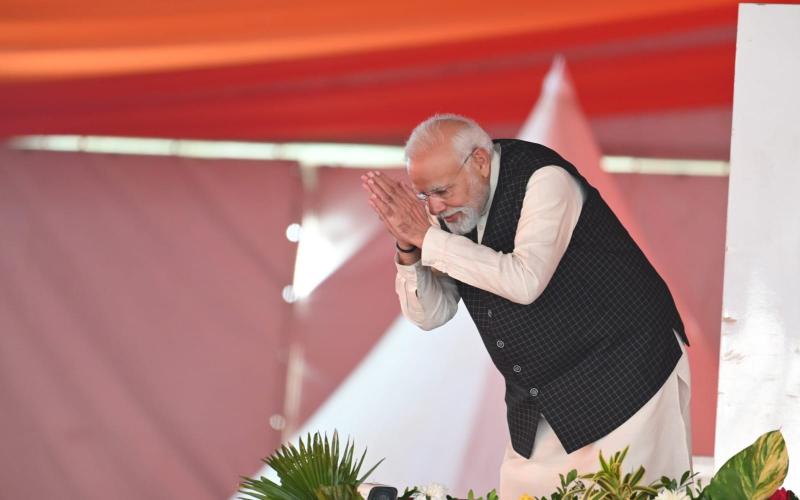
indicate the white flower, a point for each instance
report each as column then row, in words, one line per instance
column 666, row 494
column 434, row 491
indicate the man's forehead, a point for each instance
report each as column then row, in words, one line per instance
column 432, row 164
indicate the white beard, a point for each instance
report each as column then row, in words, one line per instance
column 467, row 222
column 471, row 213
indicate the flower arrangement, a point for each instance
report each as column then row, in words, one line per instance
column 315, row 471
column 754, row 473
column 436, row 491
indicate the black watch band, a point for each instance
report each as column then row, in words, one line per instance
column 405, row 250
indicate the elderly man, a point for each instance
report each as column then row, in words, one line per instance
column 578, row 322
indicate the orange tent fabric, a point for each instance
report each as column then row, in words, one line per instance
column 51, row 39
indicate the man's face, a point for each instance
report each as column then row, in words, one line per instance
column 456, row 188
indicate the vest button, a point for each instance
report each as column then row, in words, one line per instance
column 517, row 368
column 500, row 344
column 489, row 313
column 534, row 391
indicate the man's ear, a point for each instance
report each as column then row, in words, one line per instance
column 484, row 162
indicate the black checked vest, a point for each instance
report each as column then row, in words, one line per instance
column 597, row 343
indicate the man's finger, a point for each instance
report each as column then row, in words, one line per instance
column 387, row 222
column 371, row 188
column 376, row 193
column 378, row 211
column 408, row 189
column 386, row 183
column 404, row 196
column 384, row 208
column 414, row 204
column 380, row 191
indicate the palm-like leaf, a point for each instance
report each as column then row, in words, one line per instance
column 312, row 471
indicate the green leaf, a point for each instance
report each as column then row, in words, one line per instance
column 603, row 464
column 637, row 476
column 408, row 493
column 315, row 470
column 572, row 475
column 754, row 473
column 338, row 492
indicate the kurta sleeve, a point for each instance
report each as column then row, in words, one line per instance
column 550, row 211
column 428, row 298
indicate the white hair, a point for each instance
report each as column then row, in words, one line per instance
column 429, row 134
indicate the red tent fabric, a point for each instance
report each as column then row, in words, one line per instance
column 366, row 72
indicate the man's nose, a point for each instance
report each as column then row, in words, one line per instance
column 436, row 206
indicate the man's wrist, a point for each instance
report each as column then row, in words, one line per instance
column 420, row 238
column 409, row 257
column 405, row 248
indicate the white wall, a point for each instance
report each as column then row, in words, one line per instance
column 759, row 384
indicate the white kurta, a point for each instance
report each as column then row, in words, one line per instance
column 550, row 210
column 659, row 433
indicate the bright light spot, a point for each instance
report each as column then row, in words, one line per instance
column 664, row 166
column 277, row 422
column 317, row 154
column 314, row 254
column 326, row 244
column 308, row 153
column 294, row 232
column 288, row 294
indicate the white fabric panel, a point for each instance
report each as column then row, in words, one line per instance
column 759, row 384
column 412, row 400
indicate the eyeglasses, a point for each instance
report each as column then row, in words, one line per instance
column 445, row 192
